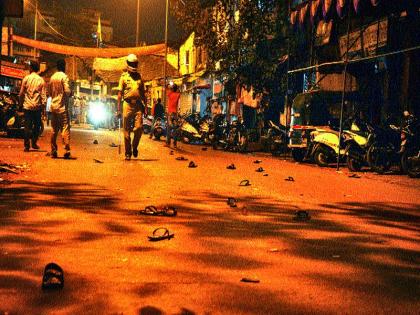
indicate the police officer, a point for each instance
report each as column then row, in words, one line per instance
column 132, row 94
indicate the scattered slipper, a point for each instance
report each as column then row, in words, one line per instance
column 95, row 141
column 257, row 161
column 302, row 215
column 160, row 234
column 231, row 202
column 169, row 211
column 53, row 277
column 265, row 174
column 251, row 280
column 231, row 167
column 171, row 152
column 192, row 165
column 113, row 145
column 181, row 158
column 289, row 179
column 259, row 170
column 149, row 210
column 98, row 161
column 354, row 176
column 204, row 149
column 245, row 182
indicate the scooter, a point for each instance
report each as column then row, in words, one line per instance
column 324, row 146
column 189, row 128
column 410, row 146
column 12, row 117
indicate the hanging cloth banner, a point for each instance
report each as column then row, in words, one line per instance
column 314, row 9
column 326, row 7
column 356, row 4
column 341, row 10
column 89, row 52
column 302, row 13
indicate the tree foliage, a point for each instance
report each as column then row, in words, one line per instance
column 244, row 38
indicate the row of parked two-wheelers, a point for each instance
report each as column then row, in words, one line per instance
column 227, row 135
column 363, row 144
column 11, row 116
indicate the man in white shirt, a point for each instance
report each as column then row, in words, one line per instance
column 33, row 97
column 59, row 90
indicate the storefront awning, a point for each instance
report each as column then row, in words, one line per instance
column 89, row 52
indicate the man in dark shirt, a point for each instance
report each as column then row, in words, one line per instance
column 158, row 112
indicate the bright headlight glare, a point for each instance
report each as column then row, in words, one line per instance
column 97, row 112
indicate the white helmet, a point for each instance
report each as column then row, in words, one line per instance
column 132, row 62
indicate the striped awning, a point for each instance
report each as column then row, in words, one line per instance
column 315, row 5
column 326, row 7
column 89, row 52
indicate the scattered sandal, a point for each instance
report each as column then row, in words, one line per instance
column 113, row 145
column 231, row 202
column 160, row 234
column 289, row 179
column 257, row 161
column 192, row 165
column 259, row 170
column 95, row 141
column 53, row 277
column 251, row 280
column 231, row 167
column 245, row 182
column 169, row 211
column 171, row 152
column 149, row 210
column 181, row 158
column 98, row 161
column 204, row 149
column 302, row 215
column 265, row 174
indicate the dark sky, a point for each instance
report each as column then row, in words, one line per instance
column 122, row 14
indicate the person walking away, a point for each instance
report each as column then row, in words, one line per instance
column 33, row 97
column 172, row 113
column 131, row 94
column 59, row 90
column 158, row 112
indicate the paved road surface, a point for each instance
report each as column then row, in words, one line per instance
column 359, row 254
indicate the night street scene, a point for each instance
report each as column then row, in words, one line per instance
column 190, row 157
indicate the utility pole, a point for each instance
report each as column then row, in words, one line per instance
column 35, row 26
column 138, row 24
column 166, row 53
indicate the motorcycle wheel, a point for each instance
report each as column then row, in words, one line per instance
column 409, row 166
column 354, row 165
column 298, row 155
column 377, row 157
column 321, row 157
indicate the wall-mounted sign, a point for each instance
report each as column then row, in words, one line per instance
column 366, row 40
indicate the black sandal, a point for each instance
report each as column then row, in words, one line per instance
column 231, row 167
column 245, row 182
column 181, row 158
column 169, row 211
column 259, row 170
column 166, row 235
column 149, row 210
column 192, row 165
column 257, row 161
column 53, row 277
column 289, row 179
column 302, row 215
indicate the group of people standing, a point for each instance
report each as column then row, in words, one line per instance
column 131, row 102
column 33, row 96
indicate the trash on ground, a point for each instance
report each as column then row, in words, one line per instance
column 245, row 182
column 53, row 277
column 160, row 234
column 289, row 179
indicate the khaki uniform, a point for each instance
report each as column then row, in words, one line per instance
column 133, row 97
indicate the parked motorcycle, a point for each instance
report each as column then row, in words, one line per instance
column 324, row 146
column 11, row 116
column 189, row 128
column 410, row 146
column 237, row 138
column 274, row 138
column 218, row 129
column 356, row 144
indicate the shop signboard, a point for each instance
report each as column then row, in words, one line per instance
column 366, row 41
